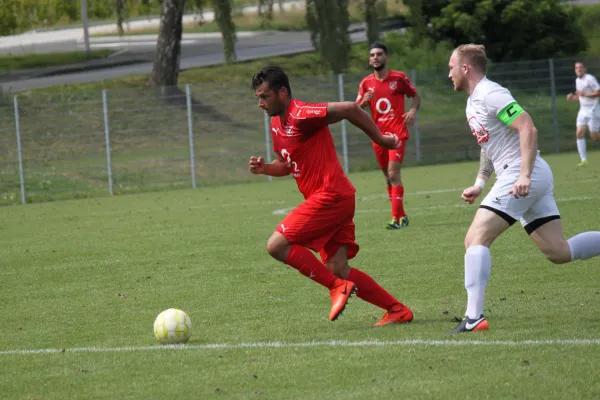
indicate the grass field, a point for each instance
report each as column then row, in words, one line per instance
column 89, row 277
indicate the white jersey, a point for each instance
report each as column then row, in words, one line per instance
column 501, row 143
column 588, row 84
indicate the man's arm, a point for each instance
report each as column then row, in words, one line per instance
column 416, row 102
column 409, row 118
column 356, row 116
column 592, row 95
column 277, row 167
column 528, row 139
column 486, row 167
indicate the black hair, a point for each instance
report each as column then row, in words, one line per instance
column 378, row 45
column 275, row 76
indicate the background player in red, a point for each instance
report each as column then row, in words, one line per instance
column 324, row 221
column 384, row 91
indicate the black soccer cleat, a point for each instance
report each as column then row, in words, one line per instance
column 470, row 325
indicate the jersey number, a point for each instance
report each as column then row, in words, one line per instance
column 291, row 164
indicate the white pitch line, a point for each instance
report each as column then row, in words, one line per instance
column 328, row 343
column 284, row 211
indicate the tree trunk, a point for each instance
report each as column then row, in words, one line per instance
column 329, row 22
column 165, row 71
column 224, row 20
column 372, row 20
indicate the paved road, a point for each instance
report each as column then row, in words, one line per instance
column 200, row 49
column 196, row 52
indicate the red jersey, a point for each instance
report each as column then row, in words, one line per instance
column 387, row 105
column 304, row 142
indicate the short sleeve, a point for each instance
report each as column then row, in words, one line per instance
column 497, row 99
column 407, row 86
column 310, row 117
column 594, row 83
column 361, row 92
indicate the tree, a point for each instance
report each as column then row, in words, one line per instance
column 165, row 70
column 224, row 20
column 328, row 21
column 372, row 20
column 418, row 23
column 511, row 30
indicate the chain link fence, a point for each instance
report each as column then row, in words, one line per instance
column 84, row 144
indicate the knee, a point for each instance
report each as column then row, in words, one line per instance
column 558, row 254
column 277, row 247
column 340, row 268
column 477, row 240
column 595, row 136
column 394, row 177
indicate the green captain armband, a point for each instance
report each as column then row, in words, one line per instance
column 510, row 113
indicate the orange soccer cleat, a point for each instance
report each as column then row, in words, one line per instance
column 340, row 294
column 400, row 316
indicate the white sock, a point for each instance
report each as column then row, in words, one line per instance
column 581, row 148
column 585, row 245
column 478, row 265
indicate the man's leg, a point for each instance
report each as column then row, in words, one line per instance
column 486, row 227
column 594, row 126
column 381, row 154
column 367, row 289
column 310, row 226
column 549, row 239
column 581, row 144
column 399, row 218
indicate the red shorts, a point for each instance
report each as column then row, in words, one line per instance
column 322, row 223
column 385, row 156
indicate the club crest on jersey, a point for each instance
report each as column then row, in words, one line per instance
column 394, row 85
column 482, row 134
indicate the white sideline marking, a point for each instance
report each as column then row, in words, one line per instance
column 328, row 343
column 284, row 211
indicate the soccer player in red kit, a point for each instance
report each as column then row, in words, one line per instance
column 384, row 91
column 324, row 221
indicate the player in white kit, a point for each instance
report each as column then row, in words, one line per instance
column 588, row 94
column 523, row 190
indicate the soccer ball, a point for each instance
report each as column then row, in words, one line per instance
column 172, row 326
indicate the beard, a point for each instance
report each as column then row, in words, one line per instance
column 379, row 67
column 459, row 85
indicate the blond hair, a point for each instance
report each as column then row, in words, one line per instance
column 473, row 54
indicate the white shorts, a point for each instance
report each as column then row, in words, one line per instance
column 538, row 208
column 589, row 118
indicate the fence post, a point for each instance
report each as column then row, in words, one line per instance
column 19, row 150
column 554, row 111
column 188, row 95
column 107, row 138
column 413, row 78
column 340, row 81
column 268, row 141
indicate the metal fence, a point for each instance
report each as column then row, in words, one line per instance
column 81, row 144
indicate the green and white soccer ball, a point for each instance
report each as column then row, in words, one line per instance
column 172, row 326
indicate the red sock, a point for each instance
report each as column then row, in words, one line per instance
column 370, row 291
column 398, row 202
column 389, row 189
column 308, row 265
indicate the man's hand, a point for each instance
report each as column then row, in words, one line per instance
column 470, row 194
column 366, row 99
column 570, row 96
column 521, row 187
column 257, row 165
column 409, row 117
column 391, row 141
